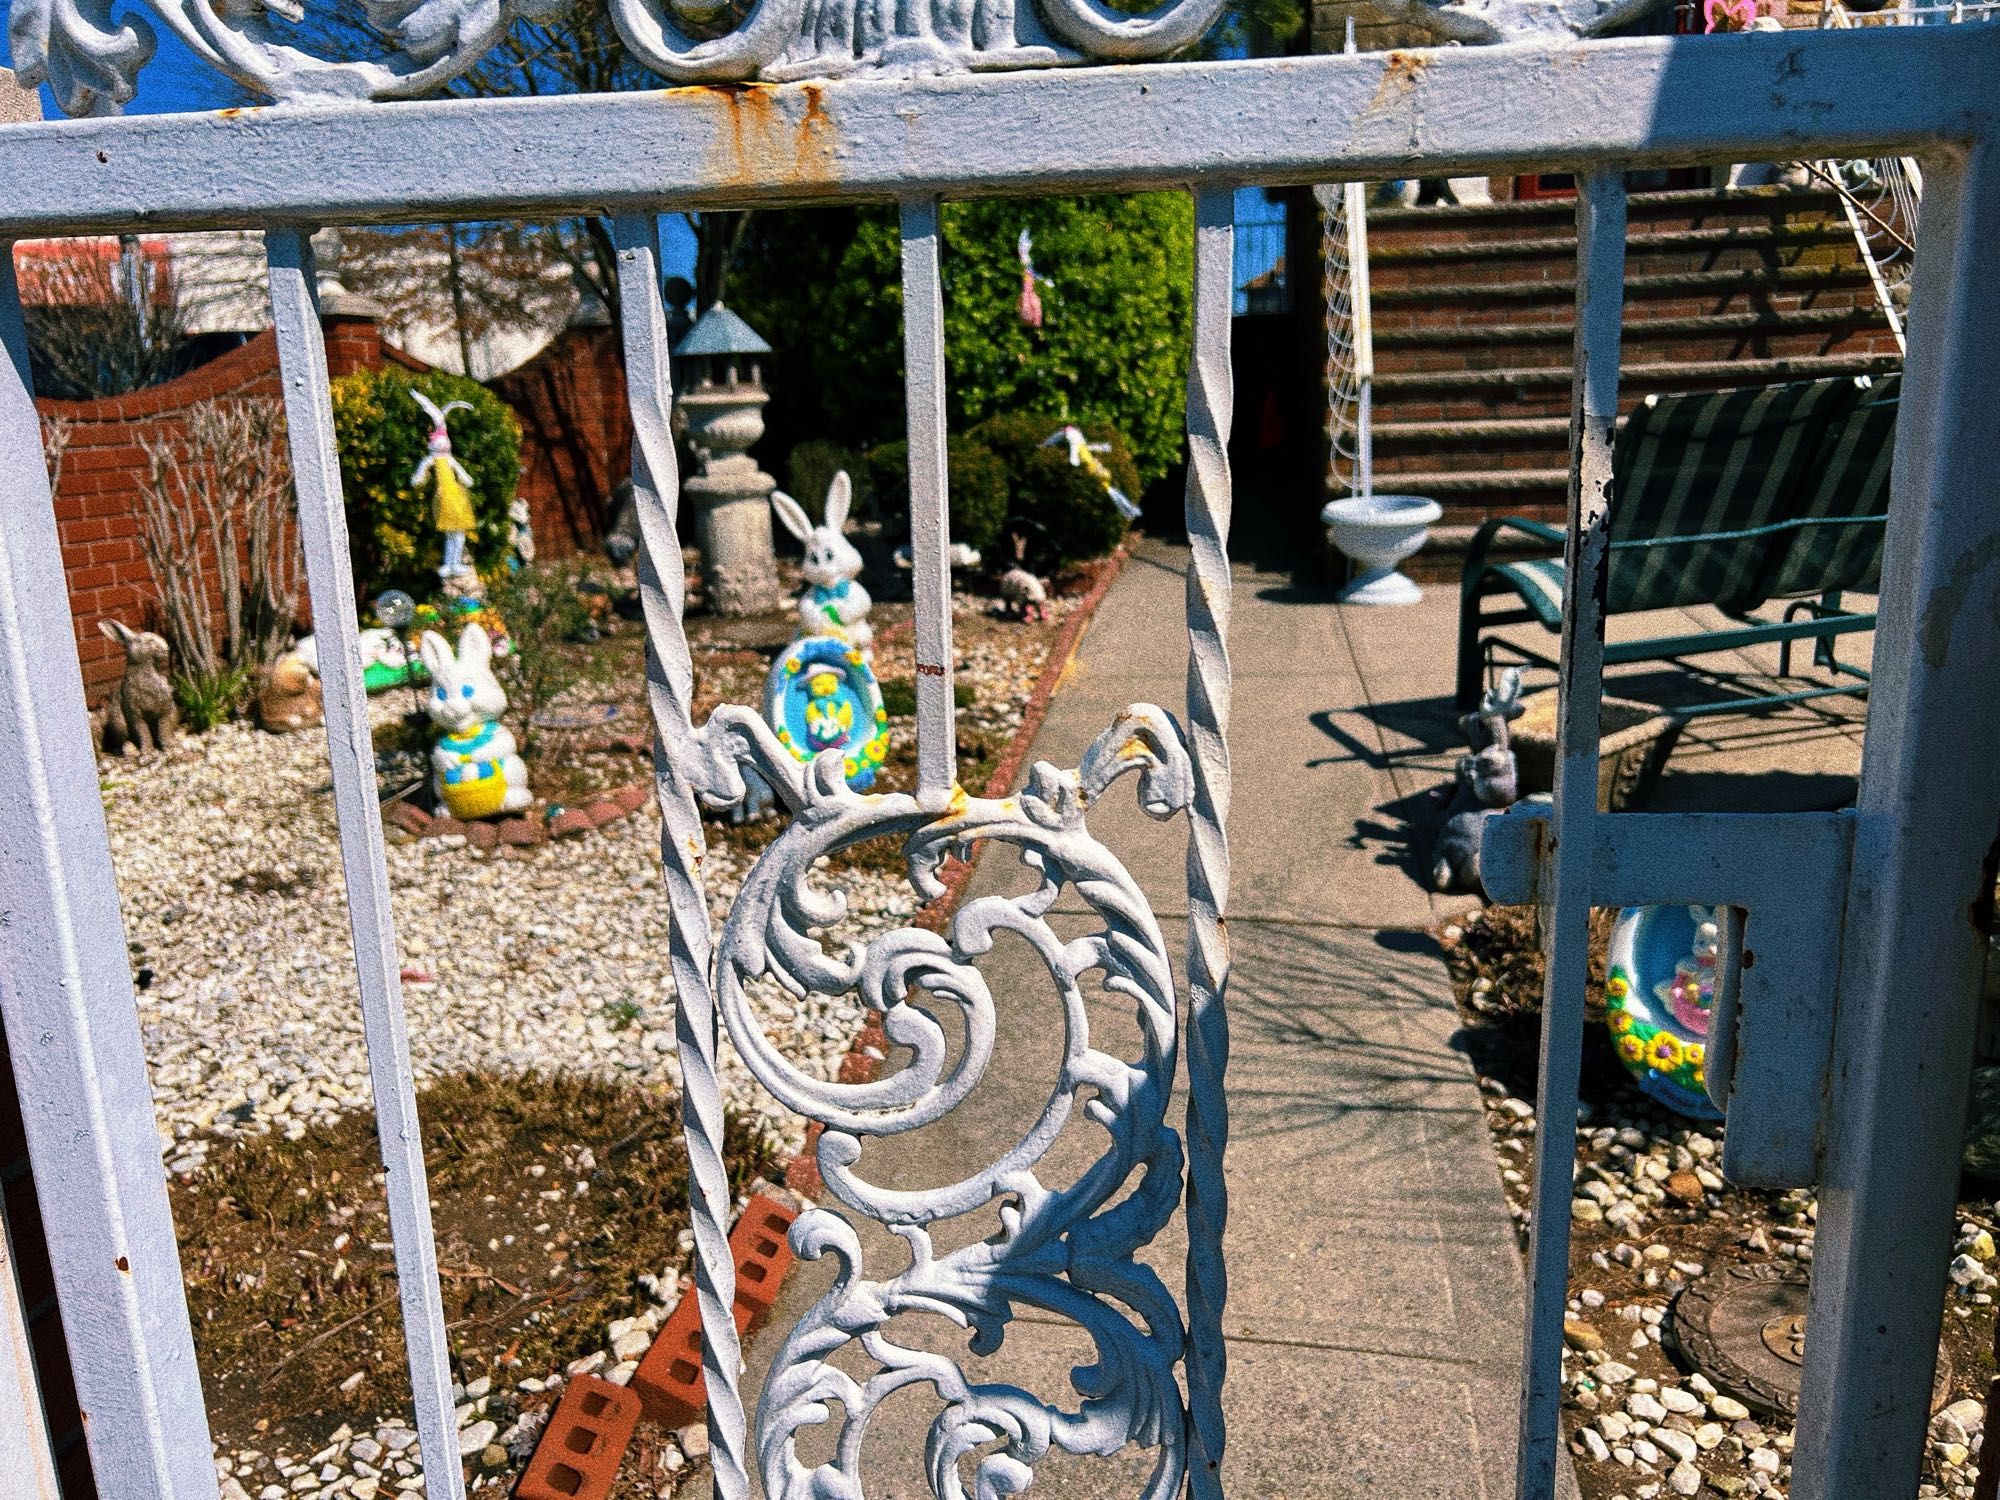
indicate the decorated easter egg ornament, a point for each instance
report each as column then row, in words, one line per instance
column 822, row 695
column 1659, row 999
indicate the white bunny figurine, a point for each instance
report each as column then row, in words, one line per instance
column 479, row 773
column 836, row 603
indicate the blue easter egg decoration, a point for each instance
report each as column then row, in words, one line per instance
column 1659, row 999
column 822, row 695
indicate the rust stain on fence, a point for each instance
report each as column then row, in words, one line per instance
column 764, row 140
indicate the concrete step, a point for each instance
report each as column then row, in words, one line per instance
column 1638, row 327
column 1664, row 241
column 1732, row 372
column 1460, row 482
column 1542, row 430
column 1780, row 280
column 1693, row 207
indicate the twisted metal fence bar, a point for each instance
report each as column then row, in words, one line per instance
column 683, row 845
column 71, row 1015
column 1565, row 900
column 1921, row 880
column 1210, row 394
column 351, row 751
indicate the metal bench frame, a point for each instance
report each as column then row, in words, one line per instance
column 1824, row 620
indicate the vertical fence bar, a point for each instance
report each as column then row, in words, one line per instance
column 930, row 520
column 71, row 1016
column 1920, row 891
column 1210, row 393
column 670, row 687
column 1600, row 295
column 351, row 750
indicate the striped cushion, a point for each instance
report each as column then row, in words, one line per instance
column 1540, row 585
column 1851, row 478
column 1706, row 462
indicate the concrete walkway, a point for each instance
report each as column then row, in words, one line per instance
column 1376, row 1291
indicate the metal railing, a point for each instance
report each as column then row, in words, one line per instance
column 1829, row 1048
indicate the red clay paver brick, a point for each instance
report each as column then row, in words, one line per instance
column 523, row 833
column 482, row 835
column 408, row 817
column 569, row 823
column 669, row 1379
column 585, row 1441
column 604, row 811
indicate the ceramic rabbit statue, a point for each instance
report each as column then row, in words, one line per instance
column 479, row 772
column 834, row 602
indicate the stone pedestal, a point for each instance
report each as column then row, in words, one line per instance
column 731, row 496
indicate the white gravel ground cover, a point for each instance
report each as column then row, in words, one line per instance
column 229, row 869
column 554, row 959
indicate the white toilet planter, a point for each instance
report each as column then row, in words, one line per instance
column 1378, row 532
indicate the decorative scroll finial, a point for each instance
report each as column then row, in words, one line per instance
column 1478, row 22
column 92, row 63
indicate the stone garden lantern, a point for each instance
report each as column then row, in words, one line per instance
column 721, row 413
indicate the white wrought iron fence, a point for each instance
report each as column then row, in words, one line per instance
column 1843, row 1032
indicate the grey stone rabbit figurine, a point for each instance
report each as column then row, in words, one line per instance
column 1487, row 782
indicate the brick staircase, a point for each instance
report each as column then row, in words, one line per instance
column 1474, row 312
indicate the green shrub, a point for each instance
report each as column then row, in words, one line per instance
column 975, row 478
column 1060, row 508
column 824, row 286
column 382, row 436
column 206, row 699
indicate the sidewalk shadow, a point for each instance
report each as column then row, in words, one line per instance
column 1344, row 1032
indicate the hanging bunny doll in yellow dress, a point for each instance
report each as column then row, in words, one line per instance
column 451, row 486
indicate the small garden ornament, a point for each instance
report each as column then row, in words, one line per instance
column 1029, row 308
column 1487, row 782
column 1659, row 1001
column 834, row 602
column 1083, row 454
column 479, row 772
column 1022, row 595
column 822, row 695
column 142, row 705
column 290, row 696
column 451, row 486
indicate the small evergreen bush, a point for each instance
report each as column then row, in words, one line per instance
column 1061, row 509
column 976, row 480
column 382, row 435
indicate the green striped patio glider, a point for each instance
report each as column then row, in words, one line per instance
column 1729, row 498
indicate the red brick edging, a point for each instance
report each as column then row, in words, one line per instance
column 536, row 827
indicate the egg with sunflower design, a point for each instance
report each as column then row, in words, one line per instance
column 1659, row 997
column 821, row 695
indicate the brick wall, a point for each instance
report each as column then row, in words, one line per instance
column 97, row 500
column 576, row 438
